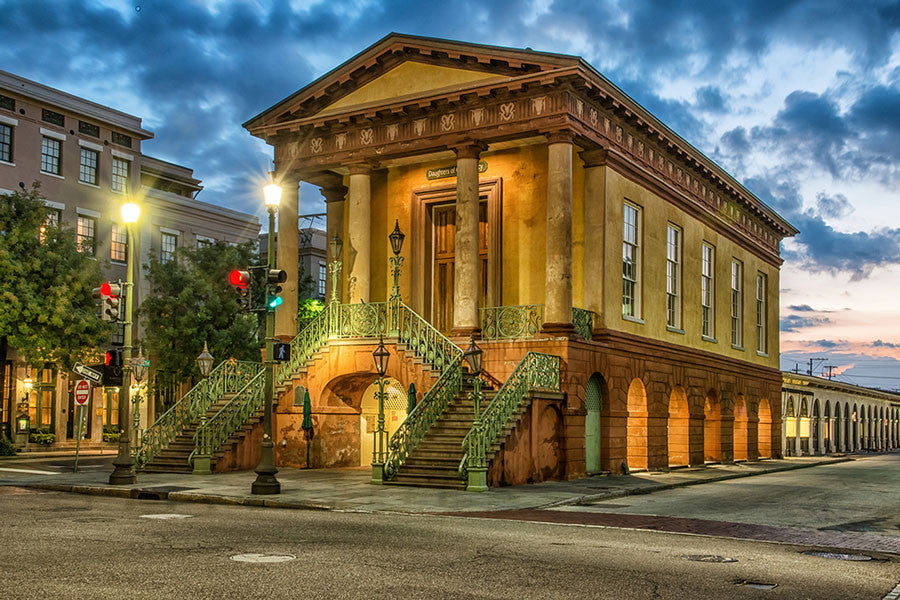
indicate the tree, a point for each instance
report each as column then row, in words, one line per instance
column 191, row 301
column 48, row 313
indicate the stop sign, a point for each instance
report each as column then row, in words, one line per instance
column 82, row 392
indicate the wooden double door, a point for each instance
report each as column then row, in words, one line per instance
column 443, row 218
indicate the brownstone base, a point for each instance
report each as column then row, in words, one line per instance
column 558, row 329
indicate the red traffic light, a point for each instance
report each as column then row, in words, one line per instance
column 239, row 278
column 106, row 290
column 109, row 355
column 110, row 289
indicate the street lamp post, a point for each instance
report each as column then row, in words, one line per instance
column 122, row 472
column 139, row 369
column 335, row 269
column 477, row 467
column 381, row 356
column 266, row 483
column 396, row 238
column 202, row 460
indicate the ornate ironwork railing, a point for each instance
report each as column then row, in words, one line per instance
column 423, row 416
column 227, row 377
column 536, row 372
column 363, row 320
column 305, row 344
column 216, row 430
column 424, row 340
column 511, row 322
column 583, row 321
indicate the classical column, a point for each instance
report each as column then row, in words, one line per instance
column 594, row 230
column 558, row 265
column 288, row 254
column 334, row 226
column 820, row 443
column 466, row 283
column 358, row 246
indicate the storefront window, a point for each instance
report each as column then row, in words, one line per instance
column 41, row 399
column 111, row 407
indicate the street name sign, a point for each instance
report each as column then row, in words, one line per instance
column 82, row 392
column 87, row 372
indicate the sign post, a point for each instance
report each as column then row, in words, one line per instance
column 82, row 395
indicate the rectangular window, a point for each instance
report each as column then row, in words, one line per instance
column 7, row 391
column 761, row 313
column 50, row 156
column 87, row 172
column 7, row 102
column 54, row 117
column 120, row 139
column 41, row 399
column 167, row 247
column 323, row 274
column 85, row 234
column 708, row 291
column 205, row 242
column 737, row 303
column 52, row 220
column 631, row 267
column 6, row 136
column 88, row 129
column 673, row 276
column 121, row 170
column 118, row 246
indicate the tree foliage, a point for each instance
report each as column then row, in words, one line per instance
column 191, row 301
column 47, row 311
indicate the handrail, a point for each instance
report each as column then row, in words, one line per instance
column 535, row 372
column 424, row 340
column 228, row 376
column 304, row 345
column 213, row 432
column 511, row 322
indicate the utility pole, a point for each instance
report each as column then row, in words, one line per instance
column 810, row 371
column 831, row 369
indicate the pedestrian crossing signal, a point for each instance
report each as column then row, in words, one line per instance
column 282, row 352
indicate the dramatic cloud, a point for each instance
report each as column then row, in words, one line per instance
column 795, row 322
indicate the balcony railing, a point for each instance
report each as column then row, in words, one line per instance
column 511, row 322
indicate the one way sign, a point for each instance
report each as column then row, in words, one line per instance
column 282, row 352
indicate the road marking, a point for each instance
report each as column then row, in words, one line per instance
column 263, row 558
column 893, row 594
column 166, row 516
column 30, row 471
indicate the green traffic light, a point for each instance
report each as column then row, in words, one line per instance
column 276, row 301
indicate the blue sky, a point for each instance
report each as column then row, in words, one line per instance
column 799, row 100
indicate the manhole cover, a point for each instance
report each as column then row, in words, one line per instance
column 709, row 558
column 263, row 558
column 756, row 585
column 166, row 516
column 838, row 555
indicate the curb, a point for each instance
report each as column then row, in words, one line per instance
column 659, row 487
column 149, row 493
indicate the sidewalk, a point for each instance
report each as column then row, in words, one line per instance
column 350, row 490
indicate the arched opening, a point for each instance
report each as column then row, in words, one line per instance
column 803, row 425
column 838, row 428
column 637, row 446
column 815, row 439
column 712, row 428
column 395, row 404
column 828, row 427
column 741, row 433
column 679, row 435
column 790, row 427
column 593, row 400
column 856, row 428
column 848, row 431
column 764, row 429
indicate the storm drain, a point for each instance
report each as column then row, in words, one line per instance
column 709, row 558
column 838, row 555
column 263, row 558
column 157, row 492
column 757, row 585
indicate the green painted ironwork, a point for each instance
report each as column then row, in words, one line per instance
column 227, row 377
column 428, row 343
column 216, row 430
column 363, row 320
column 306, row 343
column 536, row 372
column 583, row 321
column 511, row 322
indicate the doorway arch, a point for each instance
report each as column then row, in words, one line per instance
column 712, row 428
column 679, row 436
column 395, row 404
column 593, row 400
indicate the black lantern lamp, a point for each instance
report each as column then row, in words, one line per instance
column 205, row 361
column 381, row 356
column 397, row 238
column 473, row 356
column 336, row 246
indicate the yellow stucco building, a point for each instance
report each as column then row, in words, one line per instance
column 622, row 286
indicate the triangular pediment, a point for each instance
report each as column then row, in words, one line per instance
column 402, row 67
column 410, row 79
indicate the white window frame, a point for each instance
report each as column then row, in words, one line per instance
column 708, row 291
column 631, row 243
column 79, row 235
column 166, row 256
column 674, row 237
column 48, row 140
column 737, row 304
column 115, row 176
column 762, row 285
column 83, row 151
column 113, row 242
column 204, row 240
column 11, row 125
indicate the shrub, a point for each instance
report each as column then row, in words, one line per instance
column 42, row 436
column 6, row 447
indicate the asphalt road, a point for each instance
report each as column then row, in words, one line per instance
column 860, row 496
column 55, row 545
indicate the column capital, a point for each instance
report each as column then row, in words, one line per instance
column 596, row 157
column 560, row 136
column 363, row 167
column 470, row 149
column 334, row 194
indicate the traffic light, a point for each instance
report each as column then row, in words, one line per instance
column 111, row 307
column 102, row 296
column 241, row 281
column 273, row 278
column 112, row 368
column 113, row 358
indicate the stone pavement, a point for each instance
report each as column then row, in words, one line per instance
column 349, row 489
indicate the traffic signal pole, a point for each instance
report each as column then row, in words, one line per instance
column 266, row 483
column 122, row 473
